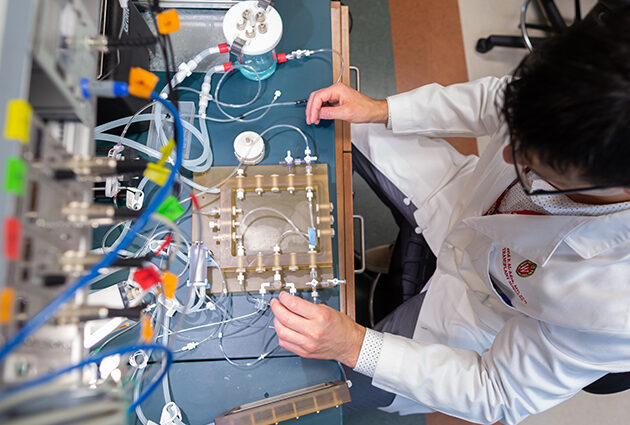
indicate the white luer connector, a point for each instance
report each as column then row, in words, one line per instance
column 263, row 287
column 292, row 288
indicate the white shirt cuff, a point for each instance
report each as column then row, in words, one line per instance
column 370, row 353
column 389, row 116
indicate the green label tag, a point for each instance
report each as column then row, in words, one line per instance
column 15, row 171
column 171, row 209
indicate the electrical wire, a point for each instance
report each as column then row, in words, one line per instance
column 49, row 310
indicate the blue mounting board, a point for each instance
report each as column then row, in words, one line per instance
column 296, row 80
column 202, row 382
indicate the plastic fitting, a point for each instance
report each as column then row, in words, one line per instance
column 292, row 288
column 91, row 88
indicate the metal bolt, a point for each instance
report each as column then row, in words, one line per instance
column 246, row 14
column 262, row 28
column 250, row 32
column 260, row 16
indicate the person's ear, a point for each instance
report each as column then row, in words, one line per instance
column 507, row 154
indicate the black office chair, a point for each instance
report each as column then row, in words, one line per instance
column 610, row 384
column 556, row 24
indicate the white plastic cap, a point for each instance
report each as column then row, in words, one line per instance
column 249, row 148
column 261, row 42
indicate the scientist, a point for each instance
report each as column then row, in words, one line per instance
column 530, row 301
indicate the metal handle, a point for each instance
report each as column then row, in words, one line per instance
column 524, row 34
column 357, row 71
column 362, row 226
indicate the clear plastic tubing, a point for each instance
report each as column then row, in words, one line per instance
column 191, row 164
column 290, row 127
column 157, row 109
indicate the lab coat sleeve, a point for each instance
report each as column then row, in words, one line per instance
column 524, row 372
column 469, row 109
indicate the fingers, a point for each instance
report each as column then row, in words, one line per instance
column 315, row 101
column 334, row 113
column 286, row 334
column 289, row 318
column 309, row 106
column 300, row 306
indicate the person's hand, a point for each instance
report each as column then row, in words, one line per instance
column 316, row 331
column 340, row 102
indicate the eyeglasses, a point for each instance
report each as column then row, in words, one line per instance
column 526, row 184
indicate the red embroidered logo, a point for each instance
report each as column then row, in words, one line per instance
column 526, row 268
column 507, row 271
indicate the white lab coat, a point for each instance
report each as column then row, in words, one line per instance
column 472, row 355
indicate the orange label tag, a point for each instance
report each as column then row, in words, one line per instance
column 7, row 304
column 142, row 82
column 170, row 284
column 147, row 330
column 168, row 21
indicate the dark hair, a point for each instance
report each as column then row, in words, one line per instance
column 568, row 104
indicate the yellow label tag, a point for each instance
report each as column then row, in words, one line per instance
column 166, row 151
column 157, row 173
column 17, row 125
